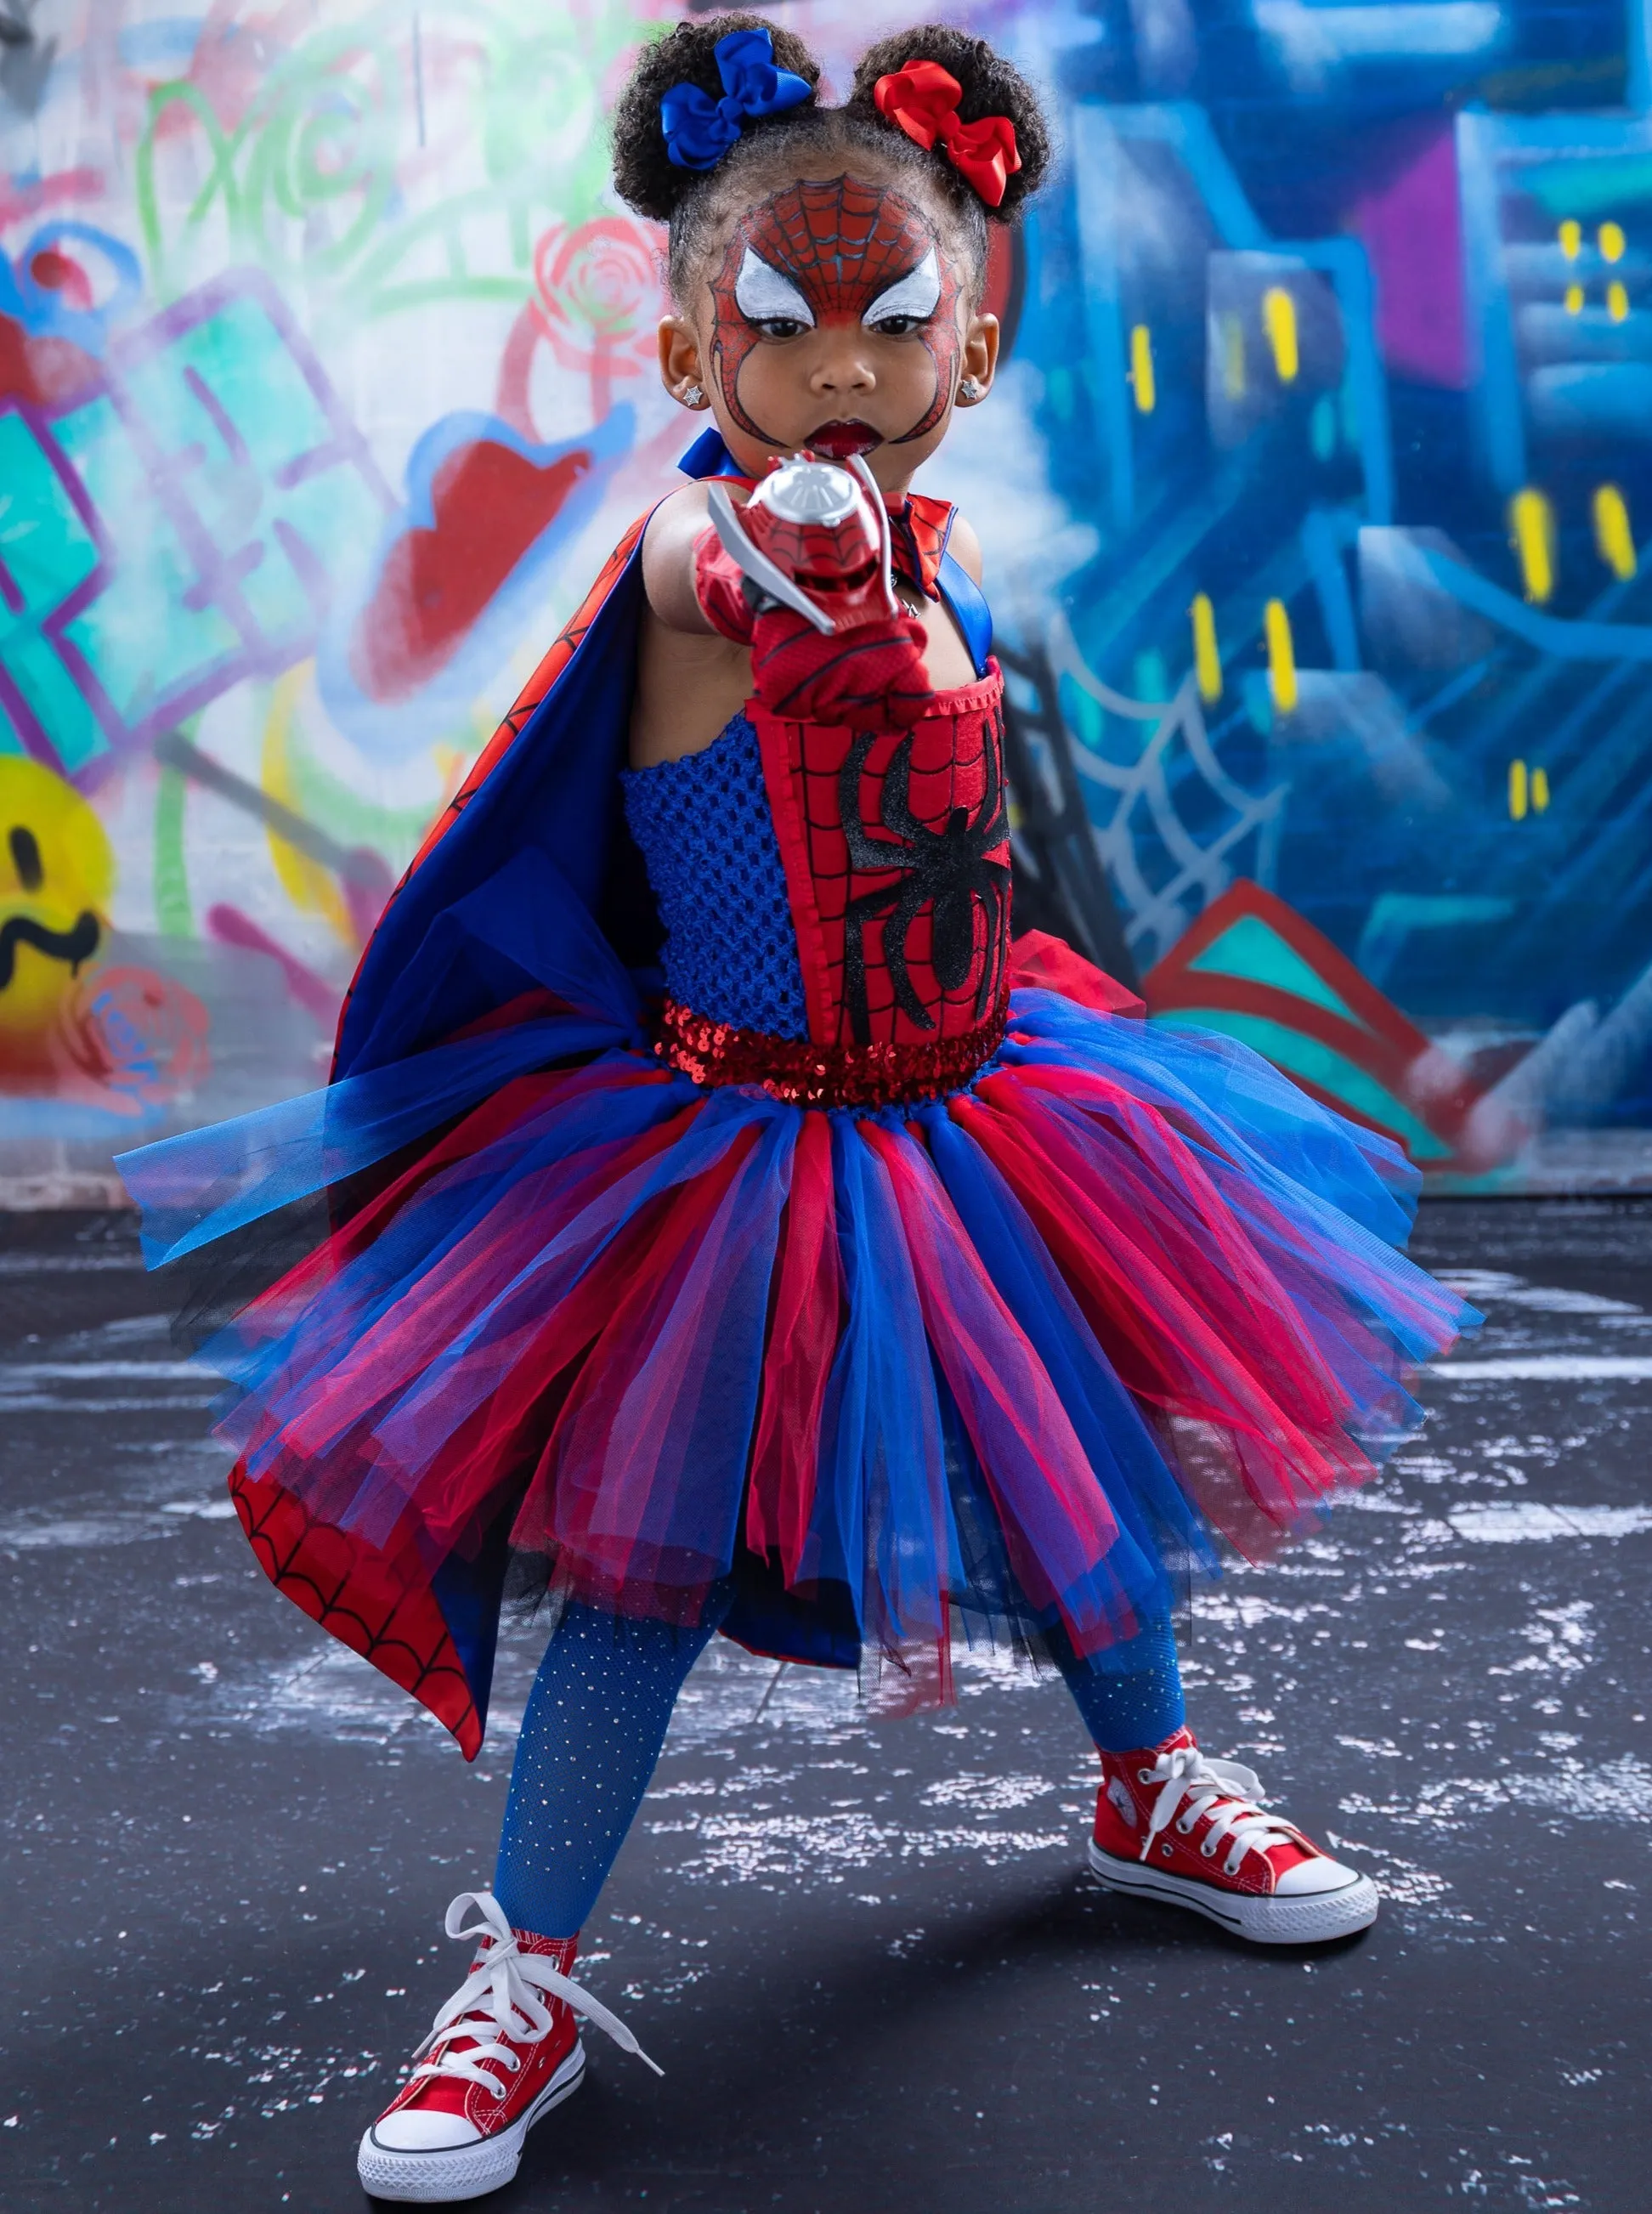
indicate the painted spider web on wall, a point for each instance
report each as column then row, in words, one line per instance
column 1172, row 827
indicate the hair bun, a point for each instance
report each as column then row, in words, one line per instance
column 989, row 86
column 645, row 175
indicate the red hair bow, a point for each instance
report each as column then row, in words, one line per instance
column 923, row 99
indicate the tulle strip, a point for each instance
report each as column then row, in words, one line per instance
column 198, row 1188
column 1021, row 1352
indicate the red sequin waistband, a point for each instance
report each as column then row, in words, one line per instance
column 825, row 1075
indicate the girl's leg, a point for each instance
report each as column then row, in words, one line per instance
column 596, row 1721
column 506, row 2048
column 1135, row 1697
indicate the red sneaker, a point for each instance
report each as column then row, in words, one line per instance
column 497, row 2058
column 1171, row 1825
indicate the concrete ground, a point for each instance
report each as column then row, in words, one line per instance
column 864, row 1951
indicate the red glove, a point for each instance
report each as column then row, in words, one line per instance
column 872, row 676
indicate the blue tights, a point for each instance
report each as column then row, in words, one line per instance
column 597, row 1719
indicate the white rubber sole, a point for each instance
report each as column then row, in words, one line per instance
column 1314, row 1919
column 439, row 2179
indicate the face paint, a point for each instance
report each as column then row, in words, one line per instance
column 834, row 252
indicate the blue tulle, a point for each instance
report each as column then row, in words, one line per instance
column 527, row 928
column 1226, row 1090
column 881, row 1500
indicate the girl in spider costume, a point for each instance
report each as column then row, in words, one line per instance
column 715, row 1219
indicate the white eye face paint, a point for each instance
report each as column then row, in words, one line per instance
column 914, row 296
column 763, row 295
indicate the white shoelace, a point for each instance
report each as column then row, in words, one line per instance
column 501, row 1998
column 1186, row 1776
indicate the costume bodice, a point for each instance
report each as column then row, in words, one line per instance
column 845, row 887
column 704, row 830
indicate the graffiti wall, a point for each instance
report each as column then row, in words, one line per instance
column 326, row 383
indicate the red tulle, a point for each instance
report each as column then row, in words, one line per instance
column 801, row 1343
column 1171, row 1283
column 1040, row 963
column 622, row 1442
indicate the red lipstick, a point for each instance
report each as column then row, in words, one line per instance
column 837, row 441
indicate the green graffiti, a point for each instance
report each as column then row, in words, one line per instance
column 175, row 916
column 317, row 147
column 306, row 185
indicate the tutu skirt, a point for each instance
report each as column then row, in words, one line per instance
column 1026, row 1353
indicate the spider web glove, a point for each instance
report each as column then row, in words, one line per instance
column 872, row 676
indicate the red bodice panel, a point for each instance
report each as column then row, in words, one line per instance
column 897, row 854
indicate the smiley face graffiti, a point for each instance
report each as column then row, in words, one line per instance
column 57, row 872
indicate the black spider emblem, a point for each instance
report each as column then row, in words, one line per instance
column 945, row 870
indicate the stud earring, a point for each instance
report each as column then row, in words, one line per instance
column 692, row 396
column 971, row 389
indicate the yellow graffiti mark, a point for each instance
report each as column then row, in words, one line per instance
column 1519, row 792
column 57, row 872
column 1617, row 301
column 1539, row 790
column 1206, row 654
column 1532, row 529
column 1279, row 320
column 1142, row 369
column 1281, row 656
column 1611, row 240
column 1614, row 539
column 312, row 889
column 1571, row 238
column 1574, row 299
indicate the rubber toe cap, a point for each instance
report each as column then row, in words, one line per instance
column 1309, row 1878
column 418, row 2129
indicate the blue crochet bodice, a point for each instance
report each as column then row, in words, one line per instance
column 705, row 834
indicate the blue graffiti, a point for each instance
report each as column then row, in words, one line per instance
column 1339, row 332
column 181, row 527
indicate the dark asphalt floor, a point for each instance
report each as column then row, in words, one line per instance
column 864, row 1951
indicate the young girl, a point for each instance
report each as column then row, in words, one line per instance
column 865, row 1277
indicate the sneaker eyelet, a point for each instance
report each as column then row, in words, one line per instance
column 1185, row 1829
column 1208, row 1851
column 1168, row 1851
column 1144, row 1775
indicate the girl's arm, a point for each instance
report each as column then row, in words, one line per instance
column 690, row 679
column 668, row 558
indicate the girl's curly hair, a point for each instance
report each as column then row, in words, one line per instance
column 691, row 202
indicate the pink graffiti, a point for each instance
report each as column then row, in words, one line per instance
column 127, row 1038
column 231, row 927
column 19, row 199
column 597, row 296
column 235, row 54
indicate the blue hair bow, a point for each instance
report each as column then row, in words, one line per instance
column 698, row 130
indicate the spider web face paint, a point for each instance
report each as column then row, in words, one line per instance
column 841, row 244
